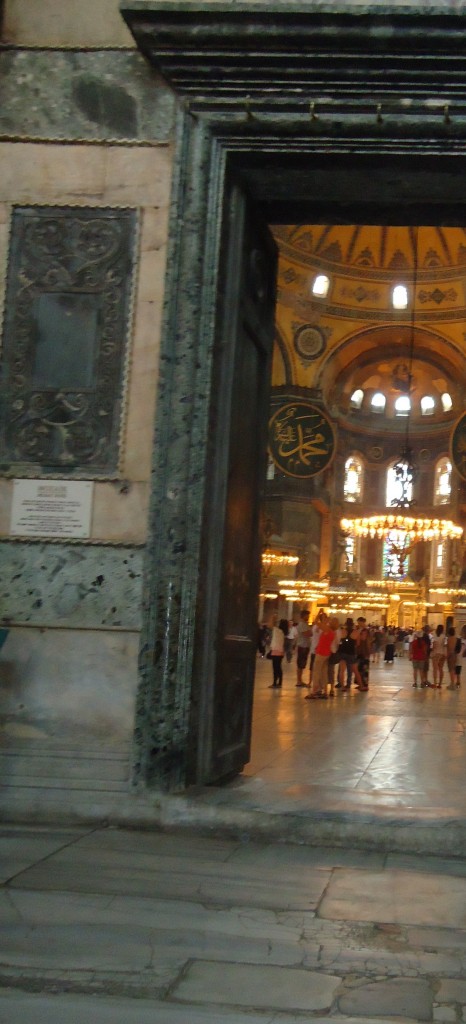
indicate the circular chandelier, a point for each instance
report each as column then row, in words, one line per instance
column 418, row 527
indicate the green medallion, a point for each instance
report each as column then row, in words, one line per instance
column 458, row 446
column 301, row 439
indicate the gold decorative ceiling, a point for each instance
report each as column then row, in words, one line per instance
column 353, row 337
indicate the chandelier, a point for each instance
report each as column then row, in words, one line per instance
column 402, row 529
column 270, row 560
column 416, row 527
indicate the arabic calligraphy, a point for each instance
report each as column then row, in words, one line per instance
column 301, row 439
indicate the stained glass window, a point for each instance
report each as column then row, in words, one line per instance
column 353, row 479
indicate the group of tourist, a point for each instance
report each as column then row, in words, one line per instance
column 445, row 651
column 336, row 654
column 340, row 655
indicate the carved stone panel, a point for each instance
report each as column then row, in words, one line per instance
column 65, row 340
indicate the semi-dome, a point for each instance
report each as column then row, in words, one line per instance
column 374, row 318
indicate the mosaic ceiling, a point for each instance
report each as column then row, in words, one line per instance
column 352, row 337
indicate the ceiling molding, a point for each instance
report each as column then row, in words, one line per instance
column 311, row 61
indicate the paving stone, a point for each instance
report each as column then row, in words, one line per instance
column 444, row 1013
column 437, row 938
column 146, row 875
column 21, row 847
column 20, row 1008
column 180, row 937
column 276, row 988
column 78, row 946
column 451, row 990
column 400, row 897
column 394, row 997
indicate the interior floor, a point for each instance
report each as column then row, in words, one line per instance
column 394, row 750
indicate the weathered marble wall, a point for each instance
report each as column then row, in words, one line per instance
column 83, row 95
column 60, row 689
column 84, row 124
column 94, row 23
column 71, row 585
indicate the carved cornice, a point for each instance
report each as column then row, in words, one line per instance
column 308, row 59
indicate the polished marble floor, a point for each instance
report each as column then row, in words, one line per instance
column 393, row 748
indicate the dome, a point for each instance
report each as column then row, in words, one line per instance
column 390, row 321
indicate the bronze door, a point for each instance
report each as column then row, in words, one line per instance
column 232, row 543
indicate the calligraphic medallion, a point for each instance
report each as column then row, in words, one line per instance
column 458, row 446
column 301, row 439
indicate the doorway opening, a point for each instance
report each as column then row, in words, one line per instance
column 369, row 333
column 298, row 117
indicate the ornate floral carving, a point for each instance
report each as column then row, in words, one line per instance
column 68, row 303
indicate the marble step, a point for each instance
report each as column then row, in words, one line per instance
column 60, row 769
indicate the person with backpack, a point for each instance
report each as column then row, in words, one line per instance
column 348, row 657
column 417, row 655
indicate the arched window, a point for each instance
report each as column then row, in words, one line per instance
column 394, row 562
column 352, row 487
column 447, row 401
column 427, row 405
column 442, row 482
column 378, row 402
column 321, row 285
column 403, row 406
column 352, row 550
column 356, row 398
column 400, row 297
column 350, row 544
column 397, row 487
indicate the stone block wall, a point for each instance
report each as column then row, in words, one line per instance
column 84, row 123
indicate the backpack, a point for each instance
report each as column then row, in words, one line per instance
column 458, row 646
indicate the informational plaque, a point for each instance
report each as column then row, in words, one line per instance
column 51, row 508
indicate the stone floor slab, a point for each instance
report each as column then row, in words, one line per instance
column 78, row 946
column 393, row 997
column 402, row 897
column 451, row 990
column 20, row 1008
column 109, row 874
column 275, row 988
column 20, row 847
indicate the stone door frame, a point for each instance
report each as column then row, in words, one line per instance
column 343, row 111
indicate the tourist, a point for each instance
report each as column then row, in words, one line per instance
column 417, row 654
column 363, row 653
column 347, row 652
column 438, row 651
column 277, row 650
column 303, row 644
column 323, row 652
column 451, row 651
column 389, row 655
